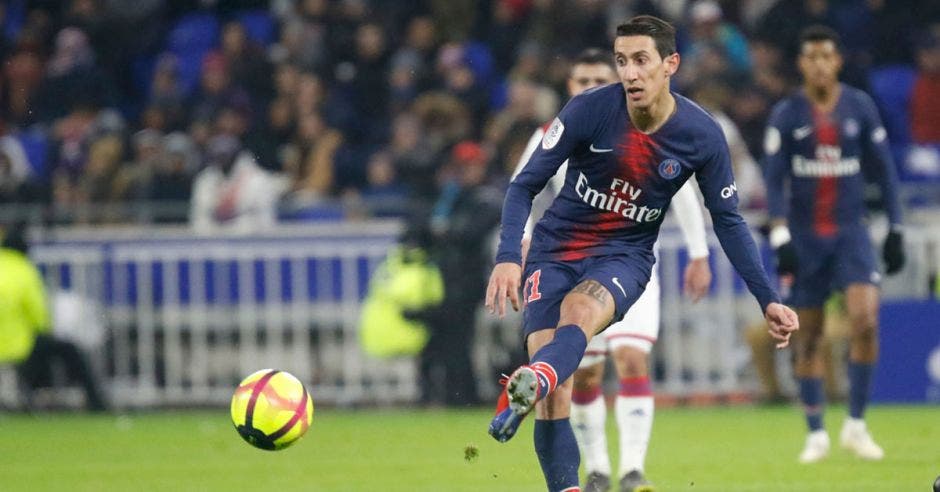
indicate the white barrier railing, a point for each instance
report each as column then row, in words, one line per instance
column 185, row 317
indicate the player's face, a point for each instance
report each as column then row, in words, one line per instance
column 642, row 71
column 820, row 63
column 586, row 76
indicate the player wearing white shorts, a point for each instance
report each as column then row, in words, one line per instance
column 630, row 339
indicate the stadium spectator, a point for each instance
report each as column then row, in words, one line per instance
column 246, row 61
column 72, row 78
column 166, row 95
column 925, row 98
column 415, row 164
column 26, row 337
column 716, row 48
column 22, row 73
column 233, row 192
column 313, row 181
column 16, row 181
column 216, row 89
column 383, row 194
column 460, row 223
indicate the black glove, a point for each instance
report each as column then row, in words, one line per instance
column 786, row 259
column 893, row 252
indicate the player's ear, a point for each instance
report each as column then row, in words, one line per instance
column 672, row 64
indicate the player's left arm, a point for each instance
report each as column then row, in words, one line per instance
column 717, row 184
column 880, row 166
column 688, row 212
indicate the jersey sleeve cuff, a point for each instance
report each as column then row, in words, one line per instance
column 509, row 258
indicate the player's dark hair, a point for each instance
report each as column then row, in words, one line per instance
column 819, row 33
column 594, row 56
column 662, row 32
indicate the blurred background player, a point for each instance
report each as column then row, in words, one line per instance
column 26, row 337
column 591, row 255
column 825, row 140
column 630, row 339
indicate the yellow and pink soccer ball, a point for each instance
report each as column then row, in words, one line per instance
column 271, row 409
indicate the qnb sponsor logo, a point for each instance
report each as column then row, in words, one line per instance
column 620, row 199
column 728, row 191
column 828, row 162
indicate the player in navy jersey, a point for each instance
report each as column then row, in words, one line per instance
column 627, row 341
column 825, row 140
column 630, row 147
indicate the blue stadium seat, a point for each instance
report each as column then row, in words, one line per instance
column 258, row 24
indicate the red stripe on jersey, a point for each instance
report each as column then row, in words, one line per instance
column 827, row 187
column 637, row 152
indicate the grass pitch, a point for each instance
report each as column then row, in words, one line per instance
column 693, row 449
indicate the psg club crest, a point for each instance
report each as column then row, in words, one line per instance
column 669, row 168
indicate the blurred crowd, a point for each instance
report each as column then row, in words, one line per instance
column 241, row 113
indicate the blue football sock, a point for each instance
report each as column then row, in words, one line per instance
column 859, row 387
column 557, row 450
column 562, row 355
column 811, row 394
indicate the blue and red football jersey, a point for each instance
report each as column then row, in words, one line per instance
column 826, row 158
column 620, row 182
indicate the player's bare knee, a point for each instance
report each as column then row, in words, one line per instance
column 579, row 311
column 807, row 347
column 631, row 362
column 864, row 323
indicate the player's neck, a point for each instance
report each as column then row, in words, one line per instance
column 823, row 98
column 653, row 117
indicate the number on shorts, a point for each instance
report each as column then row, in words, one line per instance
column 531, row 290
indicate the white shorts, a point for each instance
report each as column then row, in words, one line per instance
column 638, row 328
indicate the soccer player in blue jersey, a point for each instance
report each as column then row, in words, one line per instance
column 627, row 341
column 824, row 141
column 630, row 147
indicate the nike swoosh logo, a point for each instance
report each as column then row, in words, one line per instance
column 617, row 283
column 600, row 151
column 802, row 132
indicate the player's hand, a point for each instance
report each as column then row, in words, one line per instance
column 781, row 322
column 698, row 278
column 893, row 252
column 504, row 282
column 786, row 259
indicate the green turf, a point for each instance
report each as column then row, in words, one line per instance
column 694, row 449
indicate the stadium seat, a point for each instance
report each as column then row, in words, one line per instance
column 258, row 24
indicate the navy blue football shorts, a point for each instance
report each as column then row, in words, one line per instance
column 548, row 282
column 831, row 264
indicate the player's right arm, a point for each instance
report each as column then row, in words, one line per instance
column 777, row 156
column 569, row 130
column 717, row 184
